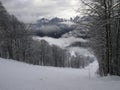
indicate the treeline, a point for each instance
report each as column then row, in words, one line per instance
column 105, row 31
column 50, row 55
column 13, row 36
column 16, row 42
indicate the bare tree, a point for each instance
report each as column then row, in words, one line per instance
column 103, row 31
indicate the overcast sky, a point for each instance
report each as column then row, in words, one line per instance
column 31, row 10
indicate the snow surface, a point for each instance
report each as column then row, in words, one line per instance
column 20, row 76
column 61, row 42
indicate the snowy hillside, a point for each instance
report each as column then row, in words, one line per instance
column 20, row 76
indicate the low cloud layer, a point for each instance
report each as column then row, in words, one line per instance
column 31, row 10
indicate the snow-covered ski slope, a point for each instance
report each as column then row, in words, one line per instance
column 20, row 76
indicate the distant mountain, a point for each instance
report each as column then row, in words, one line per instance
column 43, row 21
column 77, row 19
column 59, row 27
column 81, row 31
column 56, row 20
column 54, row 27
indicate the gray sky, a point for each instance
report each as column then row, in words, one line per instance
column 31, row 10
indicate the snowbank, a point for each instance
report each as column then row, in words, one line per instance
column 20, row 76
